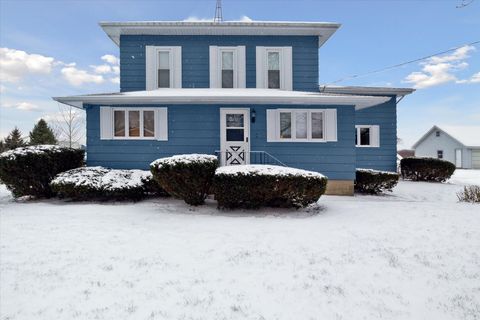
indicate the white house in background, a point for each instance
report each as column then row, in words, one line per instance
column 459, row 145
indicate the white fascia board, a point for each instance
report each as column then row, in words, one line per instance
column 323, row 30
column 248, row 96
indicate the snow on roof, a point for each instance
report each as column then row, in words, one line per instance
column 260, row 28
column 223, row 96
column 469, row 136
column 366, row 90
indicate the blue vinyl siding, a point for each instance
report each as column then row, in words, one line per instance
column 195, row 58
column 384, row 157
column 196, row 129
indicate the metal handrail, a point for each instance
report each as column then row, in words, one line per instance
column 260, row 157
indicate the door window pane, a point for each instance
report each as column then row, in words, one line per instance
column 301, row 125
column 227, row 69
column 235, row 134
column 149, row 123
column 364, row 136
column 285, row 125
column 317, row 125
column 164, row 69
column 119, row 123
column 134, row 123
column 234, row 120
column 273, row 70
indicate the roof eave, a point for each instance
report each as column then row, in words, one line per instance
column 359, row 102
column 323, row 30
column 360, row 90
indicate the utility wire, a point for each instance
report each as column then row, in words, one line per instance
column 398, row 65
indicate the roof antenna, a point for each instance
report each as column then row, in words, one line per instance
column 218, row 12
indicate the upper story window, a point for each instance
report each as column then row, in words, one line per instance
column 440, row 154
column 227, row 67
column 301, row 125
column 274, row 68
column 437, row 133
column 163, row 67
column 367, row 136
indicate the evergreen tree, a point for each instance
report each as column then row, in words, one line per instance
column 14, row 140
column 2, row 147
column 42, row 134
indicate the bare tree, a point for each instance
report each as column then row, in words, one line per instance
column 68, row 125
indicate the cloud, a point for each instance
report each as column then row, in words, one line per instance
column 78, row 77
column 474, row 79
column 16, row 64
column 115, row 80
column 102, row 69
column 25, row 106
column 440, row 70
column 197, row 19
column 246, row 19
column 108, row 58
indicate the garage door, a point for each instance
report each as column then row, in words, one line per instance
column 476, row 159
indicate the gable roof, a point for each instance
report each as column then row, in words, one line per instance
column 468, row 136
column 259, row 28
column 222, row 96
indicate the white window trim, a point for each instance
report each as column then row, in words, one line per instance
column 239, row 66
column 151, row 64
column 141, row 137
column 286, row 67
column 371, row 136
column 294, row 125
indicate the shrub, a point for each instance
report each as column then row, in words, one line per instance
column 97, row 183
column 188, row 177
column 254, row 186
column 374, row 181
column 29, row 170
column 426, row 169
column 469, row 194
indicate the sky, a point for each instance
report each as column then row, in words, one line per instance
column 56, row 48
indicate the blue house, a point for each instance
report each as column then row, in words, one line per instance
column 247, row 91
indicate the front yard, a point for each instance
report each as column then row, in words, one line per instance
column 413, row 254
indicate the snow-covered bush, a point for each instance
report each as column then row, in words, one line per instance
column 426, row 169
column 254, row 186
column 469, row 194
column 188, row 177
column 374, row 181
column 98, row 183
column 29, row 170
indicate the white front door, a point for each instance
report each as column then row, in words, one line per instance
column 458, row 158
column 235, row 136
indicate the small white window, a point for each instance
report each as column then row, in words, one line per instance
column 134, row 123
column 437, row 133
column 227, row 67
column 440, row 154
column 274, row 68
column 367, row 136
column 163, row 67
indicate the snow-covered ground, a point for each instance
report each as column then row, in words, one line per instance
column 413, row 254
